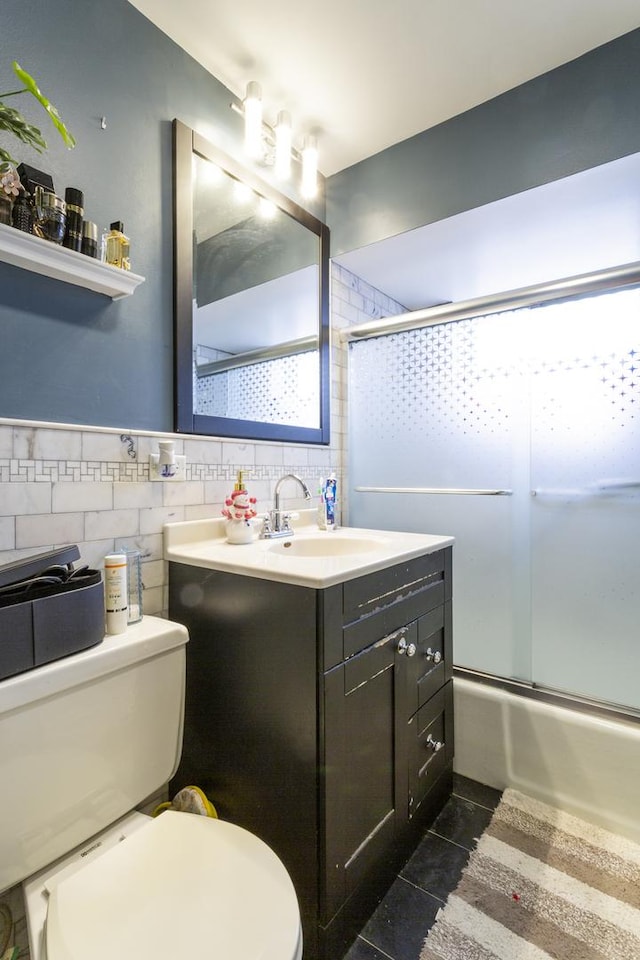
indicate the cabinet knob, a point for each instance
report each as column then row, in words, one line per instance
column 408, row 648
column 434, row 655
column 434, row 745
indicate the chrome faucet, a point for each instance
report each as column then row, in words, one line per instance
column 277, row 523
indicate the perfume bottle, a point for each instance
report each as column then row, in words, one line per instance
column 89, row 239
column 50, row 216
column 115, row 247
column 21, row 213
column 74, row 200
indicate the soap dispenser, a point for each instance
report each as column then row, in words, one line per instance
column 239, row 511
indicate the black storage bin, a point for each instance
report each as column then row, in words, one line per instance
column 48, row 610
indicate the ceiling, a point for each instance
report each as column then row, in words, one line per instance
column 365, row 74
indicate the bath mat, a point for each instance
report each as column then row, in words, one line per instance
column 542, row 885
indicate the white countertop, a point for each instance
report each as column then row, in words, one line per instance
column 203, row 543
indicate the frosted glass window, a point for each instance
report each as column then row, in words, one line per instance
column 540, row 403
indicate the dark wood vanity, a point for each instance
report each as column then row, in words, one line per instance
column 322, row 721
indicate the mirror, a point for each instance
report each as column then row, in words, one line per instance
column 251, row 303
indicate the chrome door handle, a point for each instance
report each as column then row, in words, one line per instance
column 434, row 745
column 434, row 655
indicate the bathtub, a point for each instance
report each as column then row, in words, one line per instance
column 583, row 761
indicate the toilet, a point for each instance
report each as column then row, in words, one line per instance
column 83, row 741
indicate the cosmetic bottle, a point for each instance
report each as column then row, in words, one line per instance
column 89, row 239
column 115, row 592
column 115, row 247
column 50, row 216
column 21, row 213
column 74, row 200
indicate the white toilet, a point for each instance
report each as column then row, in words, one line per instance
column 84, row 740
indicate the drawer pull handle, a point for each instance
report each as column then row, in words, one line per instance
column 392, row 637
column 434, row 745
column 408, row 648
column 434, row 655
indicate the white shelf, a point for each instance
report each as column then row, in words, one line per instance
column 51, row 260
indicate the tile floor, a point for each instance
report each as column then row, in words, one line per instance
column 397, row 928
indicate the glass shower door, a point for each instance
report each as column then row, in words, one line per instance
column 435, row 447
column 585, row 503
column 519, row 434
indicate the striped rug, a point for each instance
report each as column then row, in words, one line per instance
column 542, row 884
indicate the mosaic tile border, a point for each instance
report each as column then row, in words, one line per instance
column 111, row 471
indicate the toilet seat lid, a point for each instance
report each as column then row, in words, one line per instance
column 182, row 886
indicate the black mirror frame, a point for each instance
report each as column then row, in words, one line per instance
column 186, row 142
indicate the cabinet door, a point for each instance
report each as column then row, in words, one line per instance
column 360, row 763
column 431, row 745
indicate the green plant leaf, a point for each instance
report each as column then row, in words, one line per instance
column 13, row 121
column 32, row 87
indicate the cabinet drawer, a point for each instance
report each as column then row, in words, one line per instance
column 376, row 591
column 431, row 733
column 431, row 666
column 361, row 634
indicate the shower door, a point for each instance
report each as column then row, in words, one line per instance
column 518, row 434
column 585, row 504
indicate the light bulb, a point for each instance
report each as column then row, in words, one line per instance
column 310, row 167
column 207, row 172
column 241, row 192
column 253, row 120
column 283, row 145
column 266, row 208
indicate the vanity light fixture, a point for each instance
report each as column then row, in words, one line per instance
column 283, row 145
column 310, row 167
column 273, row 146
column 253, row 120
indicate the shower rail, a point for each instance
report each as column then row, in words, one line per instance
column 454, row 491
column 598, row 489
column 627, row 275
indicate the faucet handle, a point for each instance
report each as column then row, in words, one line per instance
column 266, row 526
column 286, row 522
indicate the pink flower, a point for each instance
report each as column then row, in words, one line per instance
column 10, row 183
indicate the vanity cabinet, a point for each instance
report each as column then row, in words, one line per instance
column 322, row 721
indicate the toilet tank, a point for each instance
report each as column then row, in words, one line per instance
column 85, row 739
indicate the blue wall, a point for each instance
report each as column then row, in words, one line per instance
column 67, row 354
column 578, row 116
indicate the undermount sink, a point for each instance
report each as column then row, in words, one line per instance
column 329, row 545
